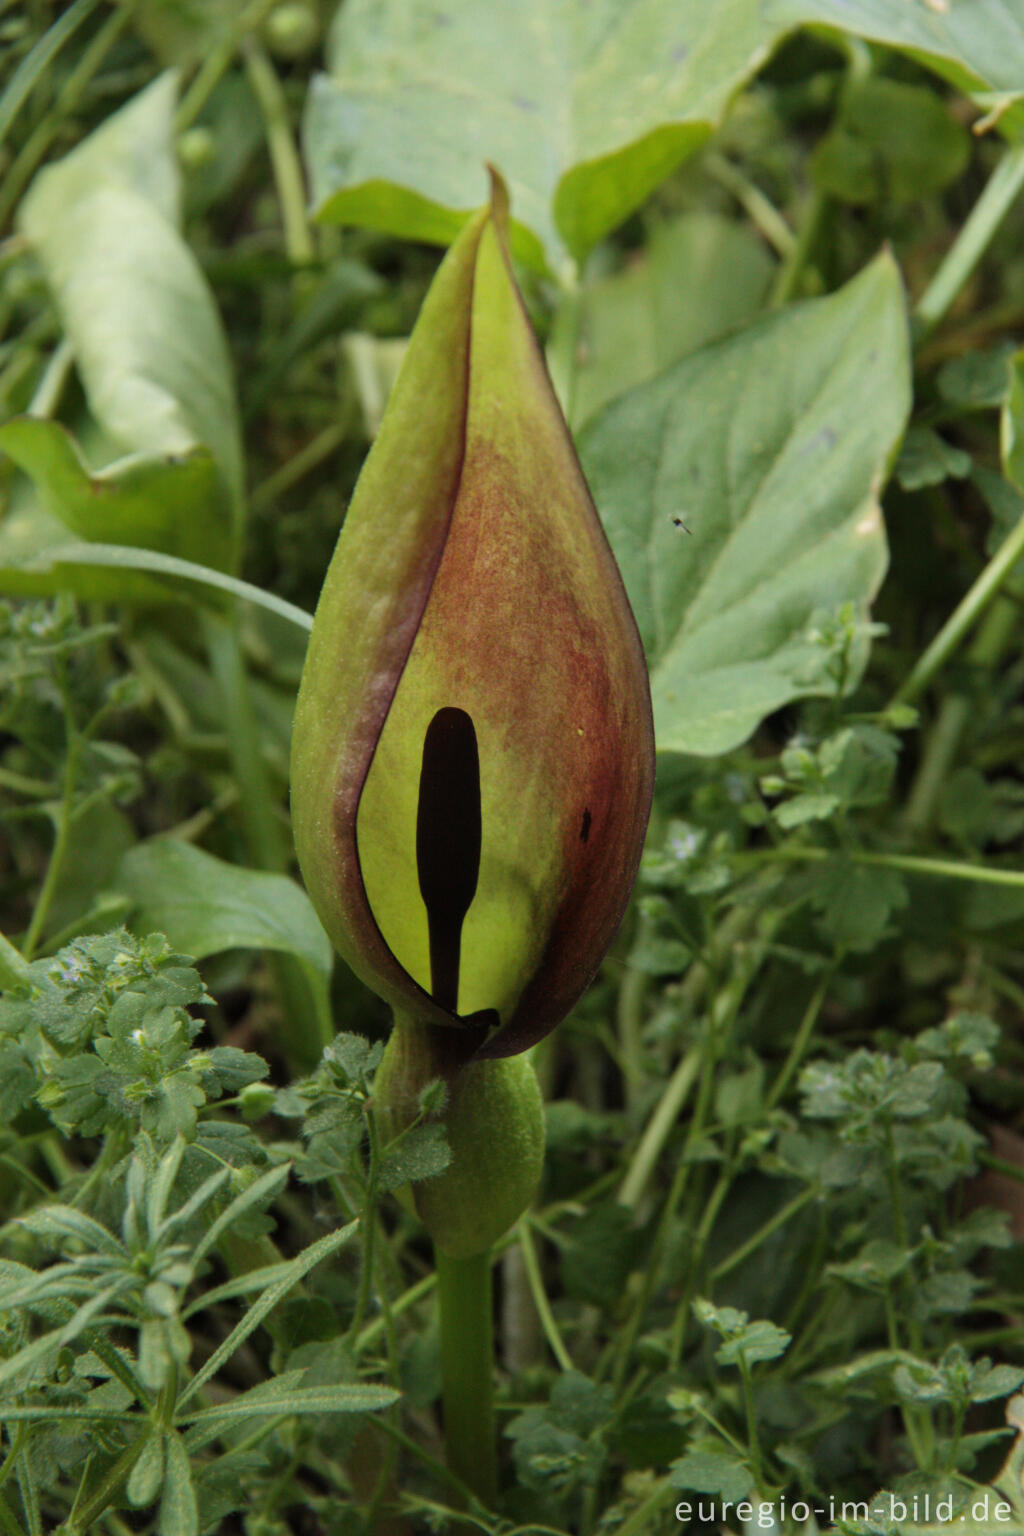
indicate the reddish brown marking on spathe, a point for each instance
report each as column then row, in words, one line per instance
column 585, row 828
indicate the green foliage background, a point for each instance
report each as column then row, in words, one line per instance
column 772, row 248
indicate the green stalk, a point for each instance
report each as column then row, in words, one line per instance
column 908, row 864
column 48, row 889
column 284, row 158
column 540, row 1296
column 742, row 1253
column 988, row 645
column 34, row 149
column 963, row 617
column 971, row 243
column 467, row 1369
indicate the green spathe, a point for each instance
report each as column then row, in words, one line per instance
column 472, row 581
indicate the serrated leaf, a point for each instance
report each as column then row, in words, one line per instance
column 778, row 487
column 927, row 459
column 855, row 902
column 712, row 1470
column 759, row 1340
column 997, row 1381
column 205, row 905
column 582, row 109
column 421, row 1153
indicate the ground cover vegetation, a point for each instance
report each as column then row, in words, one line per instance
column 773, row 254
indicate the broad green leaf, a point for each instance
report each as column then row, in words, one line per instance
column 145, row 499
column 205, row 905
column 978, row 45
column 711, row 1467
column 140, row 318
column 583, row 109
column 701, row 276
column 739, row 491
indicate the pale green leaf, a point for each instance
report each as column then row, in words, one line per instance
column 583, row 109
column 770, row 448
column 205, row 905
column 137, row 311
column 701, row 276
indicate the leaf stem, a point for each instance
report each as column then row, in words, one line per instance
column 217, row 63
column 971, row 243
column 910, row 864
column 764, row 1232
column 39, row 140
column 284, row 159
column 48, row 889
column 467, row 1369
column 993, row 637
column 540, row 1296
column 963, row 617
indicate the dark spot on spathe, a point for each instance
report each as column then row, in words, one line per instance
column 585, row 828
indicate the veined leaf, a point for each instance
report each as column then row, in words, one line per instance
column 205, row 905
column 583, row 109
column 739, row 491
column 145, row 334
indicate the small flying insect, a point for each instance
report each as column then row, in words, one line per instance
column 677, row 522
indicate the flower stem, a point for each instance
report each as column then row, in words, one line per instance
column 467, row 1369
column 963, row 617
column 972, row 241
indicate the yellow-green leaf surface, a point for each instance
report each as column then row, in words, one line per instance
column 740, row 493
column 583, row 109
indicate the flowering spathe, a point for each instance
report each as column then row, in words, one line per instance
column 472, row 763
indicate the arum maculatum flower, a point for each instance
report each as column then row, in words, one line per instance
column 472, row 762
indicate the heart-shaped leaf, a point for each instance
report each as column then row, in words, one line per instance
column 739, row 491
